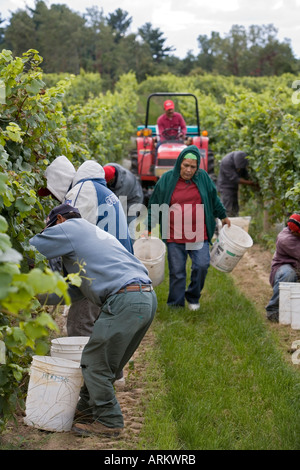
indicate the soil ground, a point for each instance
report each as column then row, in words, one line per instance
column 251, row 275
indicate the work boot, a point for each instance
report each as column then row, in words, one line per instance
column 274, row 317
column 83, row 417
column 95, row 428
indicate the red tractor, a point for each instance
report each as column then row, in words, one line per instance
column 152, row 158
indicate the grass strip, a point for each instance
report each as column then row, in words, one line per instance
column 218, row 379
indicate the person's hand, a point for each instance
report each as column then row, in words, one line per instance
column 249, row 183
column 226, row 221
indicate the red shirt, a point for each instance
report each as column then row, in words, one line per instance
column 187, row 224
column 164, row 122
column 287, row 252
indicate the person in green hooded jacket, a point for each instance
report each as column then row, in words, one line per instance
column 185, row 204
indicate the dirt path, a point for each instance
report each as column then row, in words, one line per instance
column 130, row 398
column 251, row 275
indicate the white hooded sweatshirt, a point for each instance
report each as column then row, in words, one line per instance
column 84, row 197
column 88, row 192
column 59, row 176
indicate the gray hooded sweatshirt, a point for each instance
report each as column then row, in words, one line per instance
column 126, row 184
column 108, row 265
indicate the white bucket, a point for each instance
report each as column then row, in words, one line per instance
column 229, row 248
column 69, row 347
column 242, row 222
column 53, row 393
column 151, row 252
column 285, row 312
column 295, row 308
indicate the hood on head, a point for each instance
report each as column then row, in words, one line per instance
column 59, row 175
column 89, row 169
column 240, row 159
column 190, row 149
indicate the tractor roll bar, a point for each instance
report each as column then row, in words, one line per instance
column 173, row 94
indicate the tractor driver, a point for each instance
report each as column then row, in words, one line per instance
column 171, row 124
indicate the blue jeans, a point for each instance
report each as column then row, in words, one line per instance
column 177, row 258
column 283, row 274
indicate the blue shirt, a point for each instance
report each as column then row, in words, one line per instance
column 108, row 264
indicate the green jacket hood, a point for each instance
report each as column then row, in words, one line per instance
column 190, row 149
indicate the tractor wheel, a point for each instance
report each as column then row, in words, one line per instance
column 211, row 165
column 134, row 162
column 147, row 194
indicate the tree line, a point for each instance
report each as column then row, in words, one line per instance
column 69, row 41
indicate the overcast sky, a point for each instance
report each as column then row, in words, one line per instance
column 182, row 21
